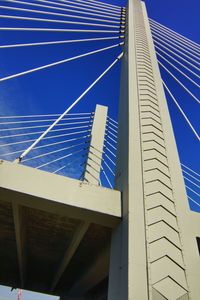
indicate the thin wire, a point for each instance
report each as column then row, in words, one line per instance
column 47, row 145
column 85, row 5
column 63, row 9
column 44, row 120
column 60, row 42
column 68, row 164
column 178, row 35
column 181, row 84
column 177, row 61
column 36, row 116
column 162, row 36
column 192, row 182
column 109, row 132
column 58, row 62
column 190, row 169
column 191, row 80
column 101, row 4
column 82, row 9
column 106, row 155
column 182, row 112
column 59, row 21
column 52, row 152
column 190, row 175
column 180, row 57
column 71, row 106
column 57, row 30
column 110, row 151
column 111, row 145
column 108, row 126
column 193, row 201
column 45, row 138
column 59, row 14
column 109, row 168
column 55, row 160
column 111, row 139
column 105, row 4
column 192, row 190
column 43, row 126
column 113, row 120
column 107, row 178
column 38, row 132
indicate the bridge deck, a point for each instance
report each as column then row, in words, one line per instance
column 54, row 231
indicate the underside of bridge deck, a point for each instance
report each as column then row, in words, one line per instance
column 56, row 238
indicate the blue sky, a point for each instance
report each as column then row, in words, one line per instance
column 53, row 90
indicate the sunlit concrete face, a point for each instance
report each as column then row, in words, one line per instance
column 154, row 250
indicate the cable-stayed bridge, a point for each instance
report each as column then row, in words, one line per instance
column 93, row 200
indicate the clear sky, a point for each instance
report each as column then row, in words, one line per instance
column 53, row 90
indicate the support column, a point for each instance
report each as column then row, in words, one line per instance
column 93, row 166
column 148, row 253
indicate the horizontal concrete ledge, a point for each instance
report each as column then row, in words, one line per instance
column 58, row 194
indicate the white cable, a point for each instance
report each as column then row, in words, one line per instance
column 192, row 182
column 113, row 120
column 79, row 4
column 57, row 14
column 111, row 145
column 190, row 170
column 110, row 151
column 68, row 164
column 103, row 3
column 63, row 9
column 106, row 155
column 182, row 112
column 78, row 8
column 71, row 106
column 55, row 160
column 47, row 145
column 100, row 4
column 45, row 138
column 58, row 62
column 192, row 191
column 112, row 134
column 175, row 48
column 112, row 128
column 41, row 121
column 177, row 35
column 181, row 84
column 190, row 175
column 59, row 42
column 175, row 54
column 107, row 178
column 169, row 40
column 36, row 116
column 109, row 168
column 59, row 21
column 177, row 61
column 43, row 126
column 194, row 201
column 38, row 132
column 52, row 152
column 191, row 80
column 111, row 139
column 57, row 30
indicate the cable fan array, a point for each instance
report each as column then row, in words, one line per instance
column 59, row 143
column 179, row 61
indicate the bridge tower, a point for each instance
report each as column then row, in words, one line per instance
column 154, row 251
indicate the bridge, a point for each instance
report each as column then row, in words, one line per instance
column 95, row 206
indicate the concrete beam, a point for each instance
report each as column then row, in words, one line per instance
column 20, row 240
column 94, row 275
column 58, row 194
column 76, row 240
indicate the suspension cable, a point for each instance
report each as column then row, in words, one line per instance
column 180, row 83
column 58, row 14
column 61, row 42
column 60, row 21
column 70, row 107
column 193, row 201
column 192, row 182
column 64, row 9
column 101, row 4
column 190, row 175
column 177, row 69
column 191, row 170
column 192, row 190
column 182, row 112
column 59, row 62
column 178, row 35
column 177, row 61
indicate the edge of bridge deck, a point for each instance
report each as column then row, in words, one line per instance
column 62, row 195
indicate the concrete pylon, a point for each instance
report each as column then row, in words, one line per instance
column 153, row 254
